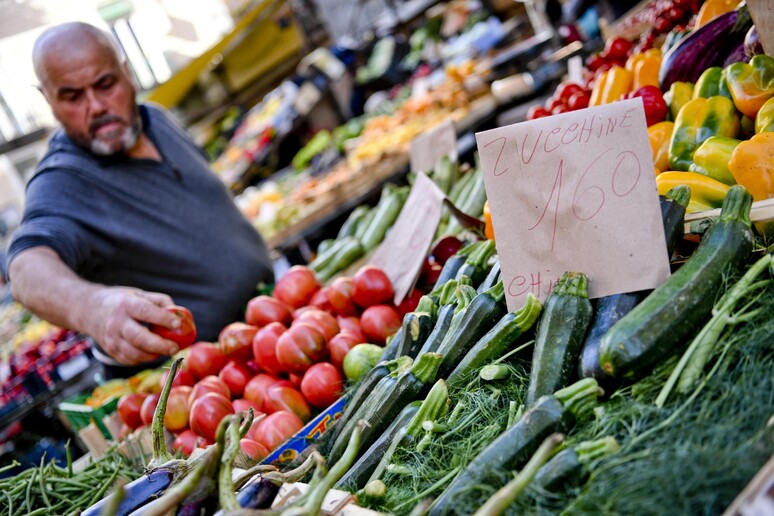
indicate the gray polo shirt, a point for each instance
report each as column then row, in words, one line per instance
column 168, row 226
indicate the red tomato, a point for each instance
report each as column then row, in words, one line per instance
column 176, row 415
column 565, row 90
column 265, row 347
column 235, row 376
column 372, row 287
column 340, row 296
column 295, row 380
column 322, row 385
column 129, row 409
column 257, row 388
column 210, row 384
column 186, row 441
column 323, row 321
column 281, row 397
column 553, row 103
column 183, row 377
column 300, row 347
column 263, row 310
column 617, row 48
column 236, row 341
column 340, row 345
column 560, row 109
column 277, row 428
column 319, row 301
column 253, row 449
column 185, row 334
column 410, row 302
column 537, row 111
column 595, row 61
column 243, row 405
column 379, row 322
column 445, row 248
column 204, row 359
column 147, row 408
column 578, row 100
column 206, row 413
column 351, row 324
column 297, row 286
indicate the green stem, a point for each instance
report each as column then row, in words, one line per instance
column 580, row 397
column 160, row 453
column 494, row 372
column 226, row 495
column 426, row 367
column 497, row 292
column 503, row 498
column 438, row 485
column 513, row 408
column 433, row 407
column 572, row 284
column 588, row 451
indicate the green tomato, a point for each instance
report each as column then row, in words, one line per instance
column 361, row 359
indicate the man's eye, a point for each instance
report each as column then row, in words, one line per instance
column 106, row 84
column 71, row 96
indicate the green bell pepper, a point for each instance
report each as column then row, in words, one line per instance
column 679, row 94
column 712, row 156
column 698, row 120
column 764, row 120
column 711, row 83
column 752, row 84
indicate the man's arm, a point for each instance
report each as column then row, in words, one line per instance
column 113, row 316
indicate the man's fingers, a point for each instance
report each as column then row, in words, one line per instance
column 127, row 354
column 141, row 309
column 145, row 340
column 158, row 299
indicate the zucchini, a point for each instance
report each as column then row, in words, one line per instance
column 472, row 202
column 364, row 223
column 513, row 448
column 476, row 266
column 442, row 324
column 660, row 324
column 387, row 211
column 325, row 257
column 417, row 327
column 349, row 228
column 478, row 317
column 497, row 341
column 611, row 309
column 559, row 337
column 463, row 295
column 568, row 467
column 346, row 256
column 453, row 264
column 359, row 474
column 325, row 245
column 495, row 275
column 385, row 403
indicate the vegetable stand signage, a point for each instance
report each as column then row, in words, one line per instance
column 575, row 192
column 402, row 252
column 762, row 12
column 432, row 145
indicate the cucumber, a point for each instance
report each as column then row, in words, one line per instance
column 387, row 211
column 346, row 256
column 364, row 223
column 350, row 225
column 497, row 341
column 325, row 245
column 478, row 318
column 325, row 257
column 559, row 337
column 661, row 323
column 611, row 309
column 385, row 403
column 513, row 448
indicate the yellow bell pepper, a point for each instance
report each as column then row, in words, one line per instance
column 764, row 120
column 659, row 135
column 712, row 9
column 706, row 193
column 679, row 94
column 698, row 120
column 610, row 85
column 712, row 157
column 644, row 68
column 752, row 164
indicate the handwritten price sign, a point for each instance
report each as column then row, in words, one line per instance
column 575, row 192
column 762, row 12
column 430, row 146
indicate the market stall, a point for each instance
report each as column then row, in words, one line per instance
column 577, row 320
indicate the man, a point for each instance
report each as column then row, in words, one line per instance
column 123, row 216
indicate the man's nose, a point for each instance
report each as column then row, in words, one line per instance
column 96, row 105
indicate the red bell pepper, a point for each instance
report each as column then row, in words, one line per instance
column 655, row 106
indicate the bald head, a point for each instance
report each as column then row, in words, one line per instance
column 70, row 39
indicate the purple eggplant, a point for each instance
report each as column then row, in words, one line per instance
column 737, row 55
column 752, row 43
column 258, row 495
column 136, row 493
column 707, row 46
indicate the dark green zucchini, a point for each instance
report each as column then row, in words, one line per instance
column 476, row 266
column 559, row 337
column 611, row 309
column 514, row 447
column 411, row 334
column 660, row 324
column 479, row 317
column 358, row 475
column 442, row 324
column 495, row 275
column 355, row 217
column 385, row 403
column 497, row 340
column 453, row 264
column 568, row 467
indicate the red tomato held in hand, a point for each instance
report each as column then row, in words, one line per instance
column 300, row 347
column 297, row 286
column 277, row 428
column 129, row 409
column 147, row 409
column 319, row 301
column 206, row 413
column 340, row 345
column 263, row 310
column 183, row 377
column 351, row 324
column 372, row 287
column 379, row 322
column 185, row 334
column 281, row 397
column 340, row 296
column 578, row 100
column 265, row 347
column 236, row 341
column 243, row 405
column 210, row 384
column 235, row 376
column 176, row 415
column 323, row 321
column 253, row 449
column 537, row 111
column 257, row 388
column 204, row 359
column 322, row 385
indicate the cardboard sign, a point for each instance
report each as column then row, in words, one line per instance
column 432, row 145
column 762, row 12
column 575, row 192
column 402, row 252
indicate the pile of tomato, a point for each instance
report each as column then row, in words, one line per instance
column 288, row 359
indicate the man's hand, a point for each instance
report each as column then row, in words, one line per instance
column 114, row 319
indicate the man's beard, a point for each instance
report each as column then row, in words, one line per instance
column 127, row 139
